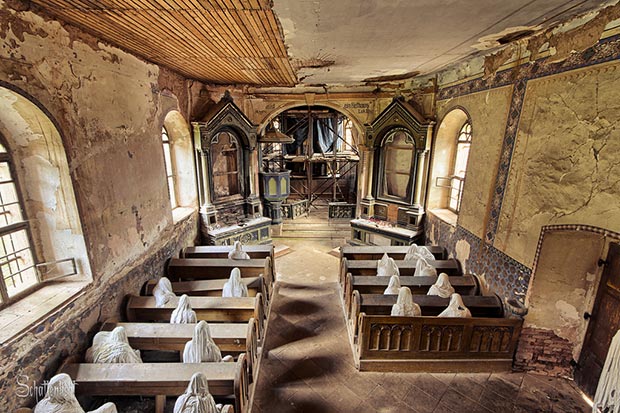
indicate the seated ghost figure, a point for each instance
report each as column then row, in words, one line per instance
column 607, row 397
column 112, row 347
column 183, row 314
column 60, row 398
column 423, row 268
column 411, row 253
column 393, row 286
column 163, row 292
column 201, row 348
column 196, row 398
column 234, row 287
column 442, row 287
column 405, row 307
column 456, row 308
column 386, row 267
column 415, row 252
column 237, row 252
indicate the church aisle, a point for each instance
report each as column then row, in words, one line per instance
column 307, row 364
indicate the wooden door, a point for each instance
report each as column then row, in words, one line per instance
column 604, row 323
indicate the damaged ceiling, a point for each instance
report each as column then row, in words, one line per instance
column 313, row 42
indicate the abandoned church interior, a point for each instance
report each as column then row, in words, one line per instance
column 309, row 206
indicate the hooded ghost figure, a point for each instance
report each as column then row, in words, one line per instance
column 163, row 292
column 196, row 398
column 60, row 398
column 201, row 348
column 237, row 252
column 414, row 252
column 424, row 269
column 386, row 267
column 393, row 286
column 607, row 397
column 234, row 287
column 183, row 314
column 442, row 287
column 411, row 253
column 405, row 307
column 456, row 308
column 112, row 347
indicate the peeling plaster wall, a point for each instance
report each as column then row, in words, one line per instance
column 109, row 108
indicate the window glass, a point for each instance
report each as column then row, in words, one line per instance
column 460, row 166
column 169, row 171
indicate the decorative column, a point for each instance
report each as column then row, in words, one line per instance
column 368, row 201
column 419, row 180
column 253, row 200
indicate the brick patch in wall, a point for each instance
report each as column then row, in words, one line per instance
column 542, row 351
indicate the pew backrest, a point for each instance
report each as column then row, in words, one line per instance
column 451, row 267
column 397, row 252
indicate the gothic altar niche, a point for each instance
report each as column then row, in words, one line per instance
column 226, row 160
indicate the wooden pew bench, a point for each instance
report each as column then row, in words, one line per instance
column 221, row 251
column 373, row 252
column 406, row 268
column 210, row 309
column 208, row 288
column 231, row 338
column 433, row 344
column 225, row 380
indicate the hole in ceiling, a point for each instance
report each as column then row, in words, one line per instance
column 511, row 37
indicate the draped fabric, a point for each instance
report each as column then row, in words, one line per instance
column 183, row 314
column 60, row 398
column 196, row 398
column 456, row 308
column 607, row 397
column 324, row 135
column 237, row 252
column 424, row 269
column 405, row 307
column 393, row 286
column 201, row 348
column 386, row 267
column 112, row 347
column 234, row 287
column 442, row 286
column 163, row 292
column 414, row 252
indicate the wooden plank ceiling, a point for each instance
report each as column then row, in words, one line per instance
column 218, row 41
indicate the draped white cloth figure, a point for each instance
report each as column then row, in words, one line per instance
column 183, row 314
column 196, row 398
column 405, row 307
column 414, row 252
column 456, row 308
column 112, row 347
column 393, row 286
column 234, row 287
column 607, row 397
column 163, row 292
column 386, row 267
column 60, row 398
column 237, row 252
column 424, row 269
column 442, row 287
column 201, row 348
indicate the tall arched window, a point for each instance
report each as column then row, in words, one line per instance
column 463, row 143
column 16, row 258
column 398, row 166
column 169, row 170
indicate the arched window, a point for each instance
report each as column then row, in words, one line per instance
column 226, row 161
column 16, row 258
column 169, row 170
column 398, row 166
column 463, row 143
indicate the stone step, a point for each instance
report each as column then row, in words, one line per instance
column 308, row 235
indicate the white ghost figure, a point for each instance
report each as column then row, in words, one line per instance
column 607, row 397
column 201, row 348
column 386, row 267
column 60, row 398
column 196, row 398
column 442, row 286
column 414, row 252
column 183, row 314
column 424, row 269
column 456, row 308
column 237, row 252
column 411, row 253
column 234, row 287
column 405, row 307
column 393, row 286
column 112, row 347
column 163, row 292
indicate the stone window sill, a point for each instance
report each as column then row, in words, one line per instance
column 181, row 213
column 30, row 310
column 446, row 215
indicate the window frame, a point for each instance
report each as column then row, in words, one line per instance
column 380, row 189
column 170, row 178
column 457, row 182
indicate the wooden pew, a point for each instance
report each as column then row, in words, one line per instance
column 161, row 380
column 208, row 288
column 406, row 268
column 397, row 252
column 221, row 251
column 210, row 309
column 231, row 338
column 185, row 269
